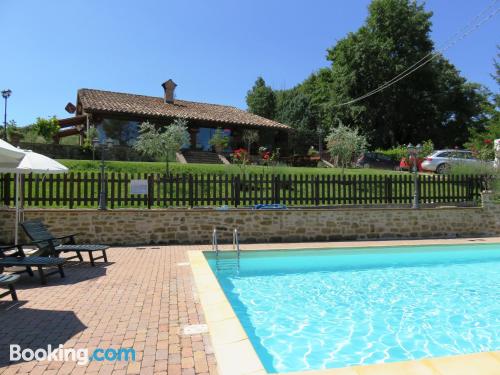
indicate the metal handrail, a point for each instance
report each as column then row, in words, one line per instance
column 215, row 246
column 236, row 242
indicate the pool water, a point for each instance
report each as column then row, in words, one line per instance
column 317, row 309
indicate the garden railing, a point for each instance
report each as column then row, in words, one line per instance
column 75, row 190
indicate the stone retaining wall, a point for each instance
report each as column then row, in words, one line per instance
column 185, row 226
column 58, row 151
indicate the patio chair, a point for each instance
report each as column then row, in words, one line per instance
column 16, row 257
column 8, row 280
column 48, row 244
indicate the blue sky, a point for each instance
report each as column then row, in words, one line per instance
column 213, row 50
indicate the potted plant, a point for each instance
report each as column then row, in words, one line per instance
column 313, row 154
column 219, row 141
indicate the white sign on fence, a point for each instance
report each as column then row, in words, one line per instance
column 138, row 186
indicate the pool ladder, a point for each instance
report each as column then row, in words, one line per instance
column 224, row 264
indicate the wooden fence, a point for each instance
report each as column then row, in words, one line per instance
column 76, row 190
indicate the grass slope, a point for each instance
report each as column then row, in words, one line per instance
column 177, row 168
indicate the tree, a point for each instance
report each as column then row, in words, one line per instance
column 317, row 87
column 47, row 128
column 14, row 133
column 162, row 145
column 294, row 108
column 345, row 144
column 250, row 136
column 261, row 99
column 481, row 140
column 435, row 100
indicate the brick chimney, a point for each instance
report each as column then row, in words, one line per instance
column 169, row 88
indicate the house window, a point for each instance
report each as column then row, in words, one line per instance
column 204, row 135
column 122, row 132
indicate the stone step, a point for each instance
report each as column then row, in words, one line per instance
column 201, row 157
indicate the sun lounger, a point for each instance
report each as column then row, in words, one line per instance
column 52, row 245
column 17, row 258
column 8, row 280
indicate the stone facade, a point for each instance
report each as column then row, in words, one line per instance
column 194, row 226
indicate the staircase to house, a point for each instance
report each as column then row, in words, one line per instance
column 201, row 157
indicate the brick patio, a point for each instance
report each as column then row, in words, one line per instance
column 142, row 298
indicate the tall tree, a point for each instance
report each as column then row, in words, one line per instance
column 261, row 99
column 434, row 101
column 481, row 140
column 294, row 108
column 318, row 88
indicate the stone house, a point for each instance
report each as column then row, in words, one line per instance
column 118, row 115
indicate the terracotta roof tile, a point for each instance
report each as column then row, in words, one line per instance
column 115, row 102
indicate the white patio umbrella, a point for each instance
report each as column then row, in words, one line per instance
column 10, row 156
column 33, row 162
column 29, row 162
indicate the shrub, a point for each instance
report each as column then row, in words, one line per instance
column 399, row 152
column 482, row 150
column 427, row 148
column 14, row 133
column 240, row 156
column 268, row 157
column 312, row 152
column 481, row 143
column 31, row 136
column 485, row 168
column 395, row 153
column 152, row 142
column 492, row 175
column 47, row 128
column 345, row 144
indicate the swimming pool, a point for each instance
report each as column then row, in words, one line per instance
column 317, row 309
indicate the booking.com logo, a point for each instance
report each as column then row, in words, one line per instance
column 81, row 356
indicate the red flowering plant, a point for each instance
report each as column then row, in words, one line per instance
column 240, row 154
column 240, row 157
column 269, row 158
column 265, row 154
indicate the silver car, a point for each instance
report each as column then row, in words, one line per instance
column 440, row 161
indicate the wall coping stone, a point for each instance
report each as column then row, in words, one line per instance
column 145, row 210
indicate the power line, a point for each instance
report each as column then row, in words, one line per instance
column 448, row 44
column 458, row 36
column 419, row 64
column 426, row 59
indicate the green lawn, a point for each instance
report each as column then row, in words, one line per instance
column 177, row 168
